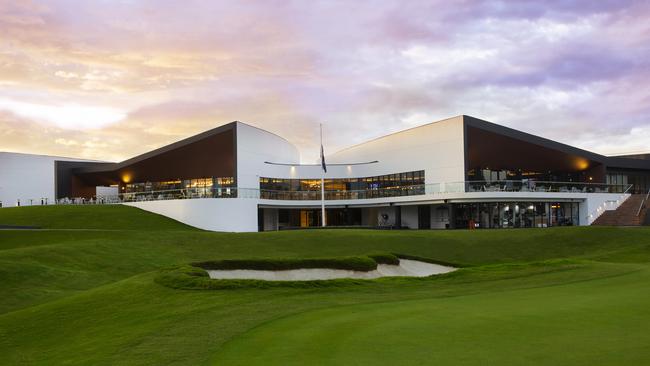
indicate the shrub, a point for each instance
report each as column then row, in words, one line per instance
column 385, row 258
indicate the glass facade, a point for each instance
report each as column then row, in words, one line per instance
column 204, row 187
column 515, row 214
column 639, row 179
column 488, row 175
column 302, row 218
column 390, row 185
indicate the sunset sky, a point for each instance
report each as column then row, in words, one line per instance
column 112, row 79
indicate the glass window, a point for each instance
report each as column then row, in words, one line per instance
column 382, row 186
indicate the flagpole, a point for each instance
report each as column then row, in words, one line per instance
column 322, row 181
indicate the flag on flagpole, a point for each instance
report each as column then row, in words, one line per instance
column 322, row 179
column 322, row 151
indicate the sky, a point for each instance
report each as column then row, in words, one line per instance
column 109, row 80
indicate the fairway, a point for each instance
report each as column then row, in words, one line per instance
column 544, row 326
column 73, row 296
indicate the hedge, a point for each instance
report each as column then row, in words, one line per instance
column 363, row 264
column 385, row 258
column 192, row 278
column 195, row 277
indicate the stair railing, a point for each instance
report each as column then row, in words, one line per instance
column 642, row 205
column 628, row 188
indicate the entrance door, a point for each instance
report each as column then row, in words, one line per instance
column 424, row 217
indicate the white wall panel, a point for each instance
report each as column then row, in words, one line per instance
column 256, row 146
column 410, row 216
column 27, row 177
column 215, row 214
column 436, row 148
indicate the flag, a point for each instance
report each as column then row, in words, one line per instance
column 322, row 159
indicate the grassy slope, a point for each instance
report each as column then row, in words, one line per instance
column 597, row 322
column 109, row 217
column 87, row 297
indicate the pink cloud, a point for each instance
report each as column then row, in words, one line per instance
column 364, row 68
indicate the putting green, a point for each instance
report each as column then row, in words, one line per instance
column 594, row 322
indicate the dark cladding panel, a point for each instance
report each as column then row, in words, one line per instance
column 495, row 151
column 488, row 149
column 64, row 173
column 209, row 157
column 210, row 154
column 635, row 156
column 498, row 146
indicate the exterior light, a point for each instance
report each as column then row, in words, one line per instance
column 582, row 164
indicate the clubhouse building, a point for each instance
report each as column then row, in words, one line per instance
column 460, row 172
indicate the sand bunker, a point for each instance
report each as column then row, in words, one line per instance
column 406, row 268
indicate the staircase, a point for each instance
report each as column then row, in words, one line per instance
column 645, row 215
column 624, row 215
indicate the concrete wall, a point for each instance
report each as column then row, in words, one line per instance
column 597, row 203
column 410, row 216
column 256, row 146
column 215, row 214
column 387, row 216
column 370, row 216
column 436, row 148
column 271, row 217
column 27, row 177
column 439, row 216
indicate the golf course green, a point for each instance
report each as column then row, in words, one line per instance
column 83, row 290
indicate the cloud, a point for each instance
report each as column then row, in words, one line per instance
column 114, row 79
column 69, row 115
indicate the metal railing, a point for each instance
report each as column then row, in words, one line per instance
column 169, row 194
column 543, row 186
column 315, row 195
column 451, row 187
column 643, row 203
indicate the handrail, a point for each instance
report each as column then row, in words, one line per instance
column 523, row 186
column 642, row 205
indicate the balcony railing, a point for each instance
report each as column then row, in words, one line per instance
column 543, row 186
column 412, row 190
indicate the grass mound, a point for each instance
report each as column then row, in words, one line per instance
column 95, row 217
column 385, row 258
column 363, row 264
column 576, row 295
column 195, row 277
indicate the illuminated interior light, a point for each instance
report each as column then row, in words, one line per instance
column 581, row 164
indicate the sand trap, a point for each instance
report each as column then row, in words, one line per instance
column 406, row 268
